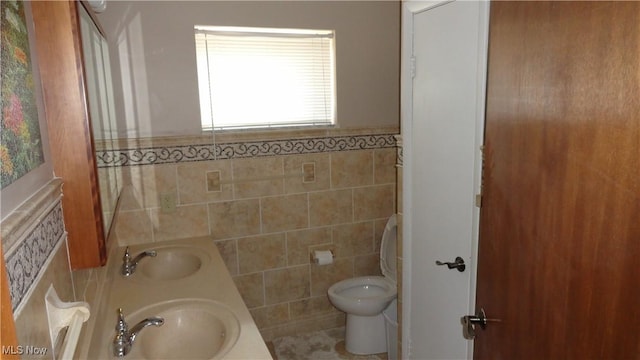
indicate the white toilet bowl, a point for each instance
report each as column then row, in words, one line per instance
column 364, row 298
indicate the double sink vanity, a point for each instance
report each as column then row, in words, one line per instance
column 172, row 300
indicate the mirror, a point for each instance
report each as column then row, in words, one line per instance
column 101, row 110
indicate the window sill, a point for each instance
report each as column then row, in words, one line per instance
column 232, row 135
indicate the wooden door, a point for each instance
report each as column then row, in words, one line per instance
column 8, row 337
column 559, row 248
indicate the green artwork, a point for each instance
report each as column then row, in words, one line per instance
column 20, row 143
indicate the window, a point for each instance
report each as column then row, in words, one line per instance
column 263, row 77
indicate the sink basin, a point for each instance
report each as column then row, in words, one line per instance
column 172, row 263
column 193, row 329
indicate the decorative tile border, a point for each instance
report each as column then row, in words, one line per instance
column 28, row 259
column 236, row 150
column 399, row 150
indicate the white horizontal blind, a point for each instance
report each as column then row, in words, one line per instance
column 258, row 77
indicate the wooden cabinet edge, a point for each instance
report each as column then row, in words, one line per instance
column 59, row 49
column 8, row 335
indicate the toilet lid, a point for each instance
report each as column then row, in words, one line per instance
column 388, row 255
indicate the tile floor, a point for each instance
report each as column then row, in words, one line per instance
column 319, row 345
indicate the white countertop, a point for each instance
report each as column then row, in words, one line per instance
column 211, row 282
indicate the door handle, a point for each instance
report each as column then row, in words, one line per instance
column 458, row 264
column 469, row 323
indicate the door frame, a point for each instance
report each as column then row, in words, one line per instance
column 409, row 9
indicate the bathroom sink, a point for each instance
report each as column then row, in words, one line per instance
column 193, row 329
column 172, row 263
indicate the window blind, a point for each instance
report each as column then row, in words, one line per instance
column 259, row 77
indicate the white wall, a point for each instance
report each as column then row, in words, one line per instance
column 154, row 65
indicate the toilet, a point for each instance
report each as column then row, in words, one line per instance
column 364, row 298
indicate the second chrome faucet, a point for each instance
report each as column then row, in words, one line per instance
column 129, row 265
column 123, row 341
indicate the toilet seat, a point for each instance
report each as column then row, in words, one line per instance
column 364, row 287
column 369, row 295
column 364, row 295
column 388, row 252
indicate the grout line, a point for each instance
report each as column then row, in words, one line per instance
column 284, row 175
column 264, row 290
column 210, row 228
column 235, row 247
column 260, row 215
column 330, row 172
column 177, row 179
column 149, row 216
column 353, row 206
column 373, row 164
column 308, row 212
column 286, row 249
column 310, row 279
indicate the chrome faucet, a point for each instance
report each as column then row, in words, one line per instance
column 128, row 265
column 123, row 341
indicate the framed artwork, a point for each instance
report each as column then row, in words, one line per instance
column 20, row 141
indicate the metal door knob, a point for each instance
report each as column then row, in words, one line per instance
column 469, row 323
column 458, row 264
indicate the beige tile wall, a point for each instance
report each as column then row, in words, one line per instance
column 32, row 325
column 266, row 220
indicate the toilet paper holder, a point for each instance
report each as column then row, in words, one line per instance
column 314, row 259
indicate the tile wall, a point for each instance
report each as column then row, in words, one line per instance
column 35, row 251
column 267, row 200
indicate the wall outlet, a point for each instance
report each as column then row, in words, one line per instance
column 168, row 202
column 308, row 172
column 213, row 181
